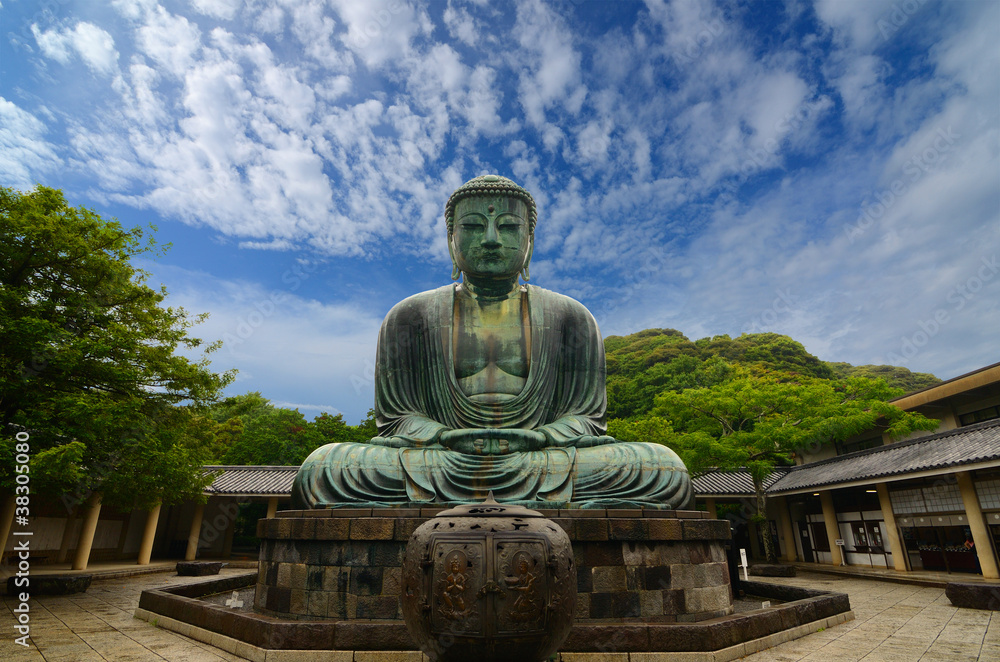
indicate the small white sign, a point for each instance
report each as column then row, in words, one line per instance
column 840, row 542
column 743, row 559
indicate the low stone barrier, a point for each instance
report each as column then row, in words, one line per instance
column 974, row 596
column 199, row 568
column 772, row 570
column 51, row 584
column 801, row 611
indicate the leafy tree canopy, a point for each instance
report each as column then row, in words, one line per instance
column 644, row 364
column 267, row 435
column 89, row 361
column 759, row 419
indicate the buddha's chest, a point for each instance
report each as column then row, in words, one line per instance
column 491, row 345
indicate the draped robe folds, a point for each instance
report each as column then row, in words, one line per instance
column 417, row 397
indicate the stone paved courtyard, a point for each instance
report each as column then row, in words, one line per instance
column 894, row 622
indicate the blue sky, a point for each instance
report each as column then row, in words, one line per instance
column 829, row 170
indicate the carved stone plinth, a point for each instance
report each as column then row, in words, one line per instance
column 635, row 565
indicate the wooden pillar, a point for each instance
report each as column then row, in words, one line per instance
column 891, row 530
column 195, row 534
column 713, row 512
column 67, row 537
column 980, row 534
column 785, row 526
column 832, row 528
column 87, row 531
column 148, row 535
column 272, row 507
column 6, row 521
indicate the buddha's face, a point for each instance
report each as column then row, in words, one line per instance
column 491, row 236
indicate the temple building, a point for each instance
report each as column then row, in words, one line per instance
column 927, row 502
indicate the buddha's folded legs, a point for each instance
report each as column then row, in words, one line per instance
column 631, row 475
column 623, row 475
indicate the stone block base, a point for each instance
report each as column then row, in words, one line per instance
column 644, row 566
column 974, row 596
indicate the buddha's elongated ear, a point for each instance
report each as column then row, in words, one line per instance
column 456, row 273
column 527, row 259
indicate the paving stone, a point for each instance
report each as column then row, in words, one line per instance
column 895, row 622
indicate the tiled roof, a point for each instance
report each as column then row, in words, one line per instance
column 251, row 480
column 966, row 445
column 731, row 483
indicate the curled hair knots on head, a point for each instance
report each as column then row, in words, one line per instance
column 494, row 185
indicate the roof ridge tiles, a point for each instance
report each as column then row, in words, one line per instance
column 902, row 444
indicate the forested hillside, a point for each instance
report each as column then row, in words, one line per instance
column 756, row 401
column 644, row 364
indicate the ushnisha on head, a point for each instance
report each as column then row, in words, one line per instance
column 490, row 185
column 491, row 225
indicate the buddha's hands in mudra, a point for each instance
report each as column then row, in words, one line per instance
column 492, row 441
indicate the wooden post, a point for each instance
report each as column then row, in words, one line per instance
column 272, row 507
column 832, row 528
column 713, row 512
column 87, row 531
column 195, row 534
column 980, row 534
column 891, row 530
column 67, row 537
column 148, row 535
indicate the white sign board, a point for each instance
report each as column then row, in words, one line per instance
column 840, row 542
column 743, row 564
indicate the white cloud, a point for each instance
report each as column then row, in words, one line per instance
column 318, row 354
column 24, row 153
column 170, row 40
column 549, row 65
column 462, row 26
column 225, row 9
column 92, row 44
column 381, row 31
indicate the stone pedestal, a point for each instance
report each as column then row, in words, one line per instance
column 639, row 565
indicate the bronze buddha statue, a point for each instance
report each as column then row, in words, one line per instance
column 491, row 385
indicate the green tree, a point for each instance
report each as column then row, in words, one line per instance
column 758, row 419
column 257, row 432
column 89, row 361
column 893, row 375
column 275, row 437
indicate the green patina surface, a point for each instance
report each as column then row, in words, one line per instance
column 490, row 384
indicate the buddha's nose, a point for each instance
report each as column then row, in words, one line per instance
column 491, row 239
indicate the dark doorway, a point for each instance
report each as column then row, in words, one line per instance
column 807, row 549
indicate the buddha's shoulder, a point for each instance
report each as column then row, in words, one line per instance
column 419, row 305
column 556, row 302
